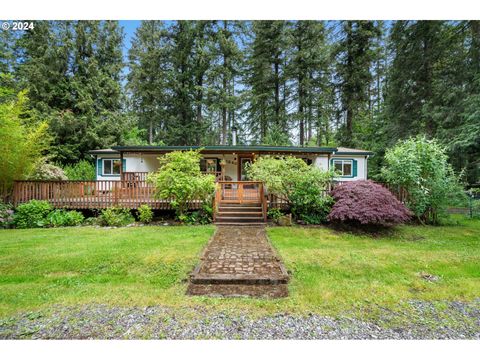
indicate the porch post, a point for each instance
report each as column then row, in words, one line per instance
column 121, row 166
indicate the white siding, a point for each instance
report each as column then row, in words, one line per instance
column 141, row 163
column 322, row 162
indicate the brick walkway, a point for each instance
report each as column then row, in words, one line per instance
column 239, row 261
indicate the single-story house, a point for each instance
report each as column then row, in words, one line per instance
column 227, row 162
column 121, row 174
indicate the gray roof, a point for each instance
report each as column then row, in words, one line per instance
column 237, row 148
column 350, row 151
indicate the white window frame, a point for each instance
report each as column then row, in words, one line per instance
column 343, row 166
column 112, row 173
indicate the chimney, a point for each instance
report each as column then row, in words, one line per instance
column 234, row 135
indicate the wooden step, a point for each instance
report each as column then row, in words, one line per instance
column 237, row 208
column 235, row 290
column 240, row 213
column 237, row 219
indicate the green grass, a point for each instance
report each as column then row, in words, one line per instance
column 336, row 271
column 332, row 272
column 126, row 266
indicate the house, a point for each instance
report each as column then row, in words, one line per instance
column 227, row 163
column 121, row 179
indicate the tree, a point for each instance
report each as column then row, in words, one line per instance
column 73, row 73
column 421, row 167
column 417, row 48
column 355, row 57
column 264, row 77
column 148, row 78
column 23, row 141
column 180, row 180
column 307, row 65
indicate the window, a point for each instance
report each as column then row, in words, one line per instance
column 111, row 167
column 344, row 167
column 208, row 165
column 308, row 161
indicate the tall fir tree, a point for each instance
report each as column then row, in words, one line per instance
column 354, row 60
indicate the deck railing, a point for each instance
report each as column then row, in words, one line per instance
column 98, row 194
column 133, row 193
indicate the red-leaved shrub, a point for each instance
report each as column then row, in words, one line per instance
column 367, row 203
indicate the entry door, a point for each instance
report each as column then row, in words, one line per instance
column 242, row 162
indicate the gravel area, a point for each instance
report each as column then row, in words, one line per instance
column 420, row 320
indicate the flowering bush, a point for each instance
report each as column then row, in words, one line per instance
column 6, row 216
column 367, row 203
column 46, row 171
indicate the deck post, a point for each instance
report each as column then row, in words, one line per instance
column 121, row 166
column 115, row 192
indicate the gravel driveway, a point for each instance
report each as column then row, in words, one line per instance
column 450, row 320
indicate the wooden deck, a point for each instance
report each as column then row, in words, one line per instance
column 131, row 194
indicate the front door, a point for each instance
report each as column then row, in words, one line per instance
column 242, row 163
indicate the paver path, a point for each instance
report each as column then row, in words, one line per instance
column 239, row 261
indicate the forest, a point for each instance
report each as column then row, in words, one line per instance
column 362, row 84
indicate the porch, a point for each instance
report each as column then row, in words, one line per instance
column 131, row 193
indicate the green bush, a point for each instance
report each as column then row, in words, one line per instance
column 180, row 180
column 59, row 218
column 302, row 186
column 6, row 215
column 145, row 214
column 274, row 213
column 115, row 217
column 202, row 216
column 83, row 170
column 91, row 221
column 32, row 214
column 421, row 167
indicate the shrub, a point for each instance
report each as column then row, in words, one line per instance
column 91, row 221
column 145, row 214
column 32, row 214
column 115, row 217
column 302, row 186
column 46, row 171
column 83, row 170
column 179, row 178
column 59, row 218
column 421, row 167
column 366, row 203
column 274, row 213
column 6, row 216
column 202, row 216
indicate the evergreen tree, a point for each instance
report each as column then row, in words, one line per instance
column 265, row 75
column 355, row 57
column 149, row 67
column 307, row 68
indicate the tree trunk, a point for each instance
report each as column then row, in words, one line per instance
column 277, row 90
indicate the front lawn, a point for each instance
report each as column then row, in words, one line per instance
column 332, row 272
column 69, row 266
column 337, row 271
